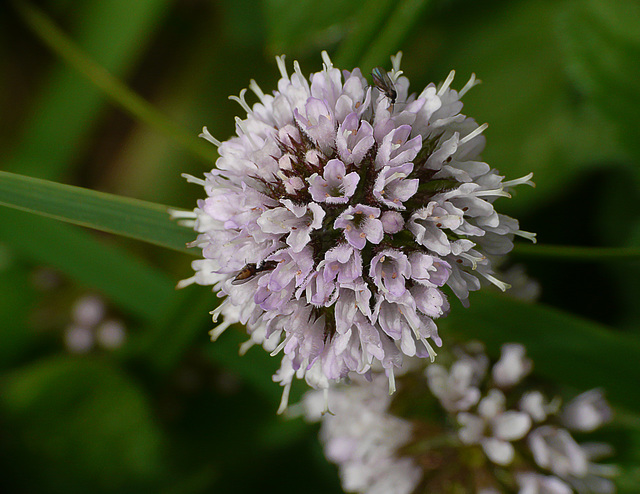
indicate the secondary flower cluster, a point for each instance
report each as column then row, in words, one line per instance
column 486, row 432
column 337, row 213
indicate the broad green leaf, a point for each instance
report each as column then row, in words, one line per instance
column 132, row 218
column 83, row 425
column 564, row 348
column 127, row 281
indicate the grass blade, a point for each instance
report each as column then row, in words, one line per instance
column 141, row 220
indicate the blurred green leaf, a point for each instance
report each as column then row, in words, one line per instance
column 577, row 254
column 255, row 368
column 16, row 303
column 601, row 40
column 565, row 348
column 84, row 424
column 387, row 41
column 306, row 25
column 535, row 124
column 113, row 87
column 366, row 24
column 124, row 279
column 178, row 325
column 131, row 218
column 115, row 33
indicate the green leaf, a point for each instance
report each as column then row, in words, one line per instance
column 255, row 368
column 82, row 424
column 564, row 348
column 16, row 302
column 388, row 40
column 306, row 25
column 366, row 25
column 116, row 273
column 132, row 218
column 64, row 112
column 535, row 124
column 180, row 324
column 577, row 254
column 601, row 40
column 113, row 87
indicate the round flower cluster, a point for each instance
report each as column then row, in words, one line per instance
column 496, row 434
column 338, row 212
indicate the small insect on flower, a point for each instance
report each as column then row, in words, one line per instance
column 251, row 269
column 384, row 83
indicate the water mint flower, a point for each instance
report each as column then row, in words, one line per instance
column 472, row 433
column 334, row 217
column 335, row 186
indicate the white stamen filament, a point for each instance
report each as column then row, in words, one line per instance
column 326, row 60
column 253, row 85
column 392, row 380
column 491, row 192
column 182, row 213
column 473, row 134
column 206, row 135
column 608, row 471
column 282, row 67
column 432, row 352
column 245, row 347
column 395, row 64
column 242, row 102
column 219, row 329
column 282, row 344
column 471, row 83
column 526, row 180
column 186, row 282
column 193, row 180
column 296, row 69
column 394, row 75
column 447, row 82
column 284, row 401
column 249, row 135
column 472, row 259
column 195, row 243
column 500, row 284
column 528, row 235
column 396, row 176
column 325, row 408
column 216, row 312
column 187, row 223
column 423, row 339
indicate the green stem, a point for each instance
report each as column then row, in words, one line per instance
column 127, row 99
column 571, row 253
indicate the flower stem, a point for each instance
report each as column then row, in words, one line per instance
column 572, row 253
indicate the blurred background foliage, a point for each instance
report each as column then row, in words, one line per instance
column 167, row 410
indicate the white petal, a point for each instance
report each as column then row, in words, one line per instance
column 511, row 425
column 499, row 452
